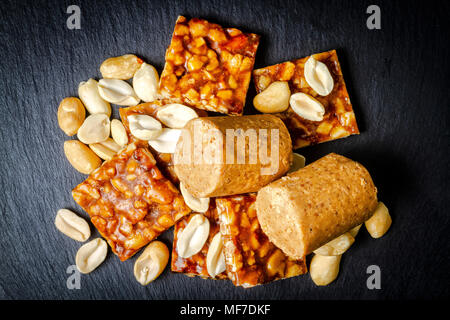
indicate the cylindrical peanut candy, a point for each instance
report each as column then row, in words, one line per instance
column 220, row 156
column 306, row 209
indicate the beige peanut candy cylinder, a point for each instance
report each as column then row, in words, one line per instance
column 310, row 207
column 220, row 156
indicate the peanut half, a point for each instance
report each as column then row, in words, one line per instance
column 166, row 142
column 380, row 221
column 72, row 225
column 298, row 162
column 324, row 269
column 94, row 129
column 88, row 93
column 145, row 83
column 118, row 133
column 81, row 157
column 71, row 114
column 144, row 127
column 175, row 115
column 151, row 263
column 118, row 92
column 275, row 98
column 193, row 237
column 318, row 77
column 122, row 67
column 106, row 149
column 336, row 246
column 307, row 107
column 91, row 255
column 196, row 204
column 215, row 259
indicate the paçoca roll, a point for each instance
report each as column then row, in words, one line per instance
column 310, row 207
column 220, row 156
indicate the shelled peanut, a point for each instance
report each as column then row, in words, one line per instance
column 324, row 266
column 151, row 263
column 71, row 115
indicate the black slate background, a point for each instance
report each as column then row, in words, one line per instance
column 398, row 80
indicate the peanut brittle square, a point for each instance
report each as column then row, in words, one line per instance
column 129, row 201
column 164, row 160
column 208, row 66
column 196, row 264
column 251, row 259
column 339, row 119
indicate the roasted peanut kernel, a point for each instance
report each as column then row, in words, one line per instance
column 94, row 129
column 175, row 115
column 88, row 93
column 338, row 132
column 215, row 259
column 198, row 29
column 72, row 225
column 273, row 99
column 194, row 63
column 380, row 221
column 165, row 221
column 276, row 264
column 336, row 247
column 145, row 82
column 166, row 142
column 307, row 107
column 193, row 237
column 91, row 255
column 298, row 162
column 118, row 92
column 118, row 133
column 144, row 127
column 71, row 114
column 122, row 67
column 324, row 269
column 196, row 204
column 181, row 30
column 81, row 157
column 151, row 263
column 287, row 72
column 217, row 35
column 106, row 149
column 318, row 77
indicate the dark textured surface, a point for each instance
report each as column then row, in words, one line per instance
column 398, row 80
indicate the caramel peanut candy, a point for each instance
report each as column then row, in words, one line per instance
column 320, row 109
column 251, row 259
column 129, row 201
column 208, row 66
column 164, row 160
column 196, row 265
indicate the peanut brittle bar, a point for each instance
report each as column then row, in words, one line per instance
column 208, row 67
column 339, row 119
column 196, row 264
column 129, row 201
column 251, row 259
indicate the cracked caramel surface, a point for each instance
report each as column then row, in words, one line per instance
column 208, row 66
column 129, row 201
column 339, row 119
